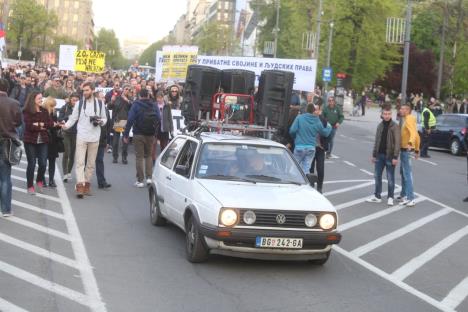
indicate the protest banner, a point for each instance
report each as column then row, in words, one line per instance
column 90, row 61
column 67, row 57
column 175, row 60
column 304, row 70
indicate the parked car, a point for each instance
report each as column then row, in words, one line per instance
column 449, row 132
column 241, row 196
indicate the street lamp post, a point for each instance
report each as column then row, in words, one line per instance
column 330, row 39
column 404, row 81
column 319, row 22
column 276, row 29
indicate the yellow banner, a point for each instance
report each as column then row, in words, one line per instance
column 175, row 64
column 90, row 61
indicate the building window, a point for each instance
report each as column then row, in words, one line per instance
column 75, row 18
column 226, row 16
column 65, row 17
column 74, row 30
column 219, row 16
column 66, row 4
column 226, row 5
column 77, row 5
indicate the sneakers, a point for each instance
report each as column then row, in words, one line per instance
column 139, row 184
column 109, row 150
column 67, row 177
column 149, row 181
column 52, row 184
column 374, row 199
column 31, row 190
column 114, row 161
column 409, row 203
column 401, row 198
column 40, row 186
column 390, row 201
column 7, row 215
column 125, row 161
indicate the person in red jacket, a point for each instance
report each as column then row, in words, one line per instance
column 36, row 138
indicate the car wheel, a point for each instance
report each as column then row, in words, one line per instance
column 455, row 147
column 155, row 212
column 195, row 247
column 321, row 261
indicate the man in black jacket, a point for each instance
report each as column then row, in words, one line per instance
column 69, row 137
column 105, row 131
column 120, row 108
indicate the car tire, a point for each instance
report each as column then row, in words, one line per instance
column 155, row 213
column 321, row 261
column 195, row 247
column 455, row 147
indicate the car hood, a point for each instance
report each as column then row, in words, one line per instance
column 266, row 195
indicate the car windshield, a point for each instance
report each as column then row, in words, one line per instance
column 248, row 163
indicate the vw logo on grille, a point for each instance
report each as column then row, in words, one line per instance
column 280, row 219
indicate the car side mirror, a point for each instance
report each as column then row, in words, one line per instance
column 182, row 170
column 312, row 178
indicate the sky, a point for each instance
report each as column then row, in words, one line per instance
column 150, row 20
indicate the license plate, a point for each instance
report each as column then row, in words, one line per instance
column 278, row 242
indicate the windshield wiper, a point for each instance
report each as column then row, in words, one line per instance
column 272, row 179
column 228, row 178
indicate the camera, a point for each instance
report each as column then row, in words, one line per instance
column 95, row 120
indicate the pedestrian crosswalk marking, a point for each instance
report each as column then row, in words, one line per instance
column 48, row 197
column 376, row 215
column 347, row 189
column 362, row 250
column 38, row 210
column 457, row 294
column 39, row 251
column 6, row 306
column 40, row 228
column 414, row 264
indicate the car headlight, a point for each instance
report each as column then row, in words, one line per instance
column 249, row 217
column 310, row 220
column 228, row 217
column 327, row 221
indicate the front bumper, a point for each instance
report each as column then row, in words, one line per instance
column 241, row 243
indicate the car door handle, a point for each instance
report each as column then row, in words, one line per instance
column 168, row 178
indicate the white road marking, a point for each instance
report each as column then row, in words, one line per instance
column 379, row 214
column 18, row 178
column 362, row 250
column 426, row 161
column 414, row 264
column 356, row 201
column 39, row 251
column 38, row 210
column 52, row 198
column 349, row 163
column 347, row 189
column 45, row 284
column 6, row 306
column 39, row 228
column 346, row 181
column 367, row 172
column 445, row 206
column 24, row 170
column 457, row 294
column 413, row 291
column 333, row 156
column 87, row 274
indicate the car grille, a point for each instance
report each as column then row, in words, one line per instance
column 294, row 219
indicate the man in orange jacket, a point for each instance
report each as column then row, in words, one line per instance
column 409, row 142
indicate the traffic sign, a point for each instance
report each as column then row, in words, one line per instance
column 327, row 73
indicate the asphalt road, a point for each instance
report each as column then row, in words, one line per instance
column 101, row 253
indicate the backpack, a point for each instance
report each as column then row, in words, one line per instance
column 148, row 124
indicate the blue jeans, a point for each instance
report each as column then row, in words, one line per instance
column 330, row 140
column 381, row 163
column 5, row 183
column 304, row 156
column 33, row 152
column 406, row 175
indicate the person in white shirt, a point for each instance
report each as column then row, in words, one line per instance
column 90, row 114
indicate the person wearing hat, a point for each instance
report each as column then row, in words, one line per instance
column 56, row 90
column 173, row 98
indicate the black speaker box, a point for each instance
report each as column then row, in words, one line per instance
column 238, row 81
column 274, row 97
column 200, row 85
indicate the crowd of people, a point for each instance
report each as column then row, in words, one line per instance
column 98, row 113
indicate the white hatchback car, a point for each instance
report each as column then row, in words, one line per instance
column 241, row 196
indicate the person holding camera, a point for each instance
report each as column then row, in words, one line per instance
column 10, row 118
column 90, row 114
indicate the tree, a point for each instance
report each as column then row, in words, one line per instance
column 149, row 55
column 107, row 42
column 216, row 38
column 29, row 23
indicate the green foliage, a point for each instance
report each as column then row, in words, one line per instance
column 216, row 39
column 107, row 42
column 29, row 23
column 149, row 55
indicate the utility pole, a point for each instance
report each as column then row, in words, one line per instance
column 276, row 30
column 319, row 22
column 330, row 38
column 442, row 52
column 404, row 81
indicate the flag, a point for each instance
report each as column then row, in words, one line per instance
column 2, row 37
